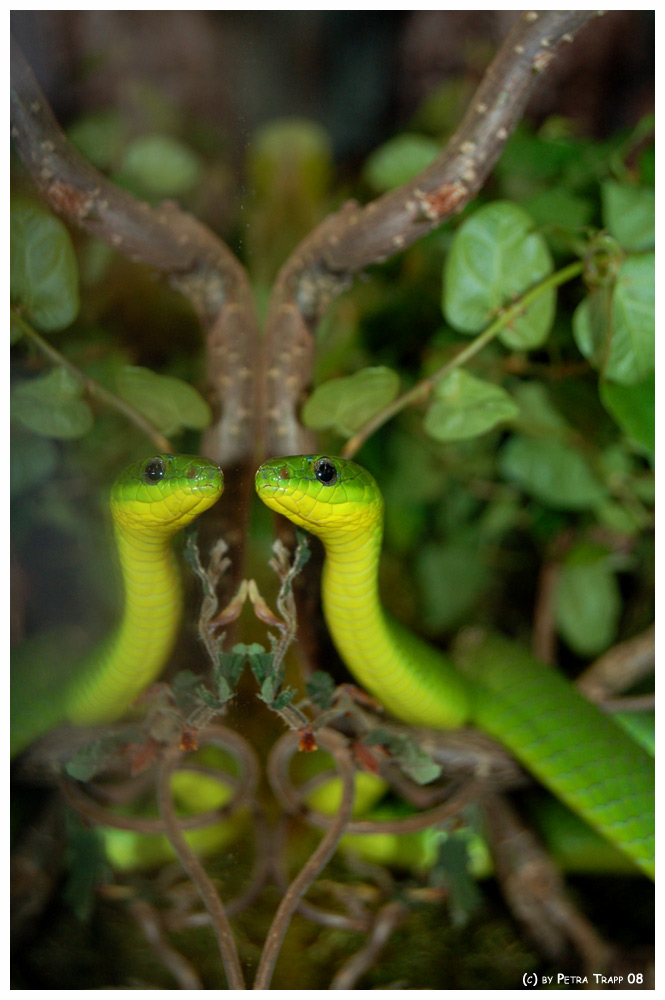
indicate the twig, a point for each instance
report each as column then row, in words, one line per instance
column 182, row 970
column 543, row 641
column 197, row 873
column 535, row 890
column 421, row 391
column 386, row 922
column 294, row 799
column 325, row 264
column 92, row 386
column 335, row 745
column 620, row 667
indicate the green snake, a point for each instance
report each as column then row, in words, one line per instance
column 571, row 747
column 151, row 501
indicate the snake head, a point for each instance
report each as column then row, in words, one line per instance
column 165, row 493
column 331, row 497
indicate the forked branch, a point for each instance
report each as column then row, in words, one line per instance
column 326, row 263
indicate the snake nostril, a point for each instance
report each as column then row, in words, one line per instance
column 283, row 473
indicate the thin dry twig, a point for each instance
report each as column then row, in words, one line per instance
column 335, row 745
column 620, row 667
column 294, row 799
column 148, row 920
column 197, row 873
column 385, row 923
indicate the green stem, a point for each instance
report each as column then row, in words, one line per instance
column 421, row 390
column 91, row 385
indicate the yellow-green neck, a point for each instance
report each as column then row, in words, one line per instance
column 402, row 672
column 139, row 647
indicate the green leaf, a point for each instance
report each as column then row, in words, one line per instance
column 632, row 353
column 99, row 137
column 592, row 323
column 629, row 212
column 399, row 160
column 587, row 606
column 345, row 404
column 33, row 460
column 320, row 688
column 495, row 257
column 551, row 471
column 452, row 580
column 51, row 405
column 536, row 407
column 412, row 759
column 465, row 406
column 634, row 409
column 44, row 275
column 161, row 166
column 227, row 673
column 560, row 208
column 168, row 403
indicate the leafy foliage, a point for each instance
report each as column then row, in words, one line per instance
column 44, row 273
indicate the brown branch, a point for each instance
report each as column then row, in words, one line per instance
column 535, row 891
column 197, row 873
column 195, row 261
column 335, row 745
column 620, row 667
column 386, row 922
column 149, row 921
column 328, row 260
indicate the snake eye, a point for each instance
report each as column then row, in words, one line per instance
column 325, row 471
column 154, row 470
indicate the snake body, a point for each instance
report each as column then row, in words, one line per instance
column 578, row 753
column 151, row 501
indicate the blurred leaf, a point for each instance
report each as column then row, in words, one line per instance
column 99, row 137
column 587, row 606
column 552, row 472
column 632, row 353
column 634, row 409
column 559, row 207
column 399, row 160
column 345, row 404
column 320, row 688
column 615, row 328
column 452, row 871
column 629, row 212
column 87, row 866
column 44, row 275
column 412, row 759
column 15, row 329
column 161, row 166
column 464, row 406
column 168, row 403
column 52, row 405
column 536, row 407
column 452, row 579
column 227, row 673
column 495, row 257
column 33, row 460
column 592, row 324
column 294, row 152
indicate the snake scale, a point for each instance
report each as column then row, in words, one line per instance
column 570, row 746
